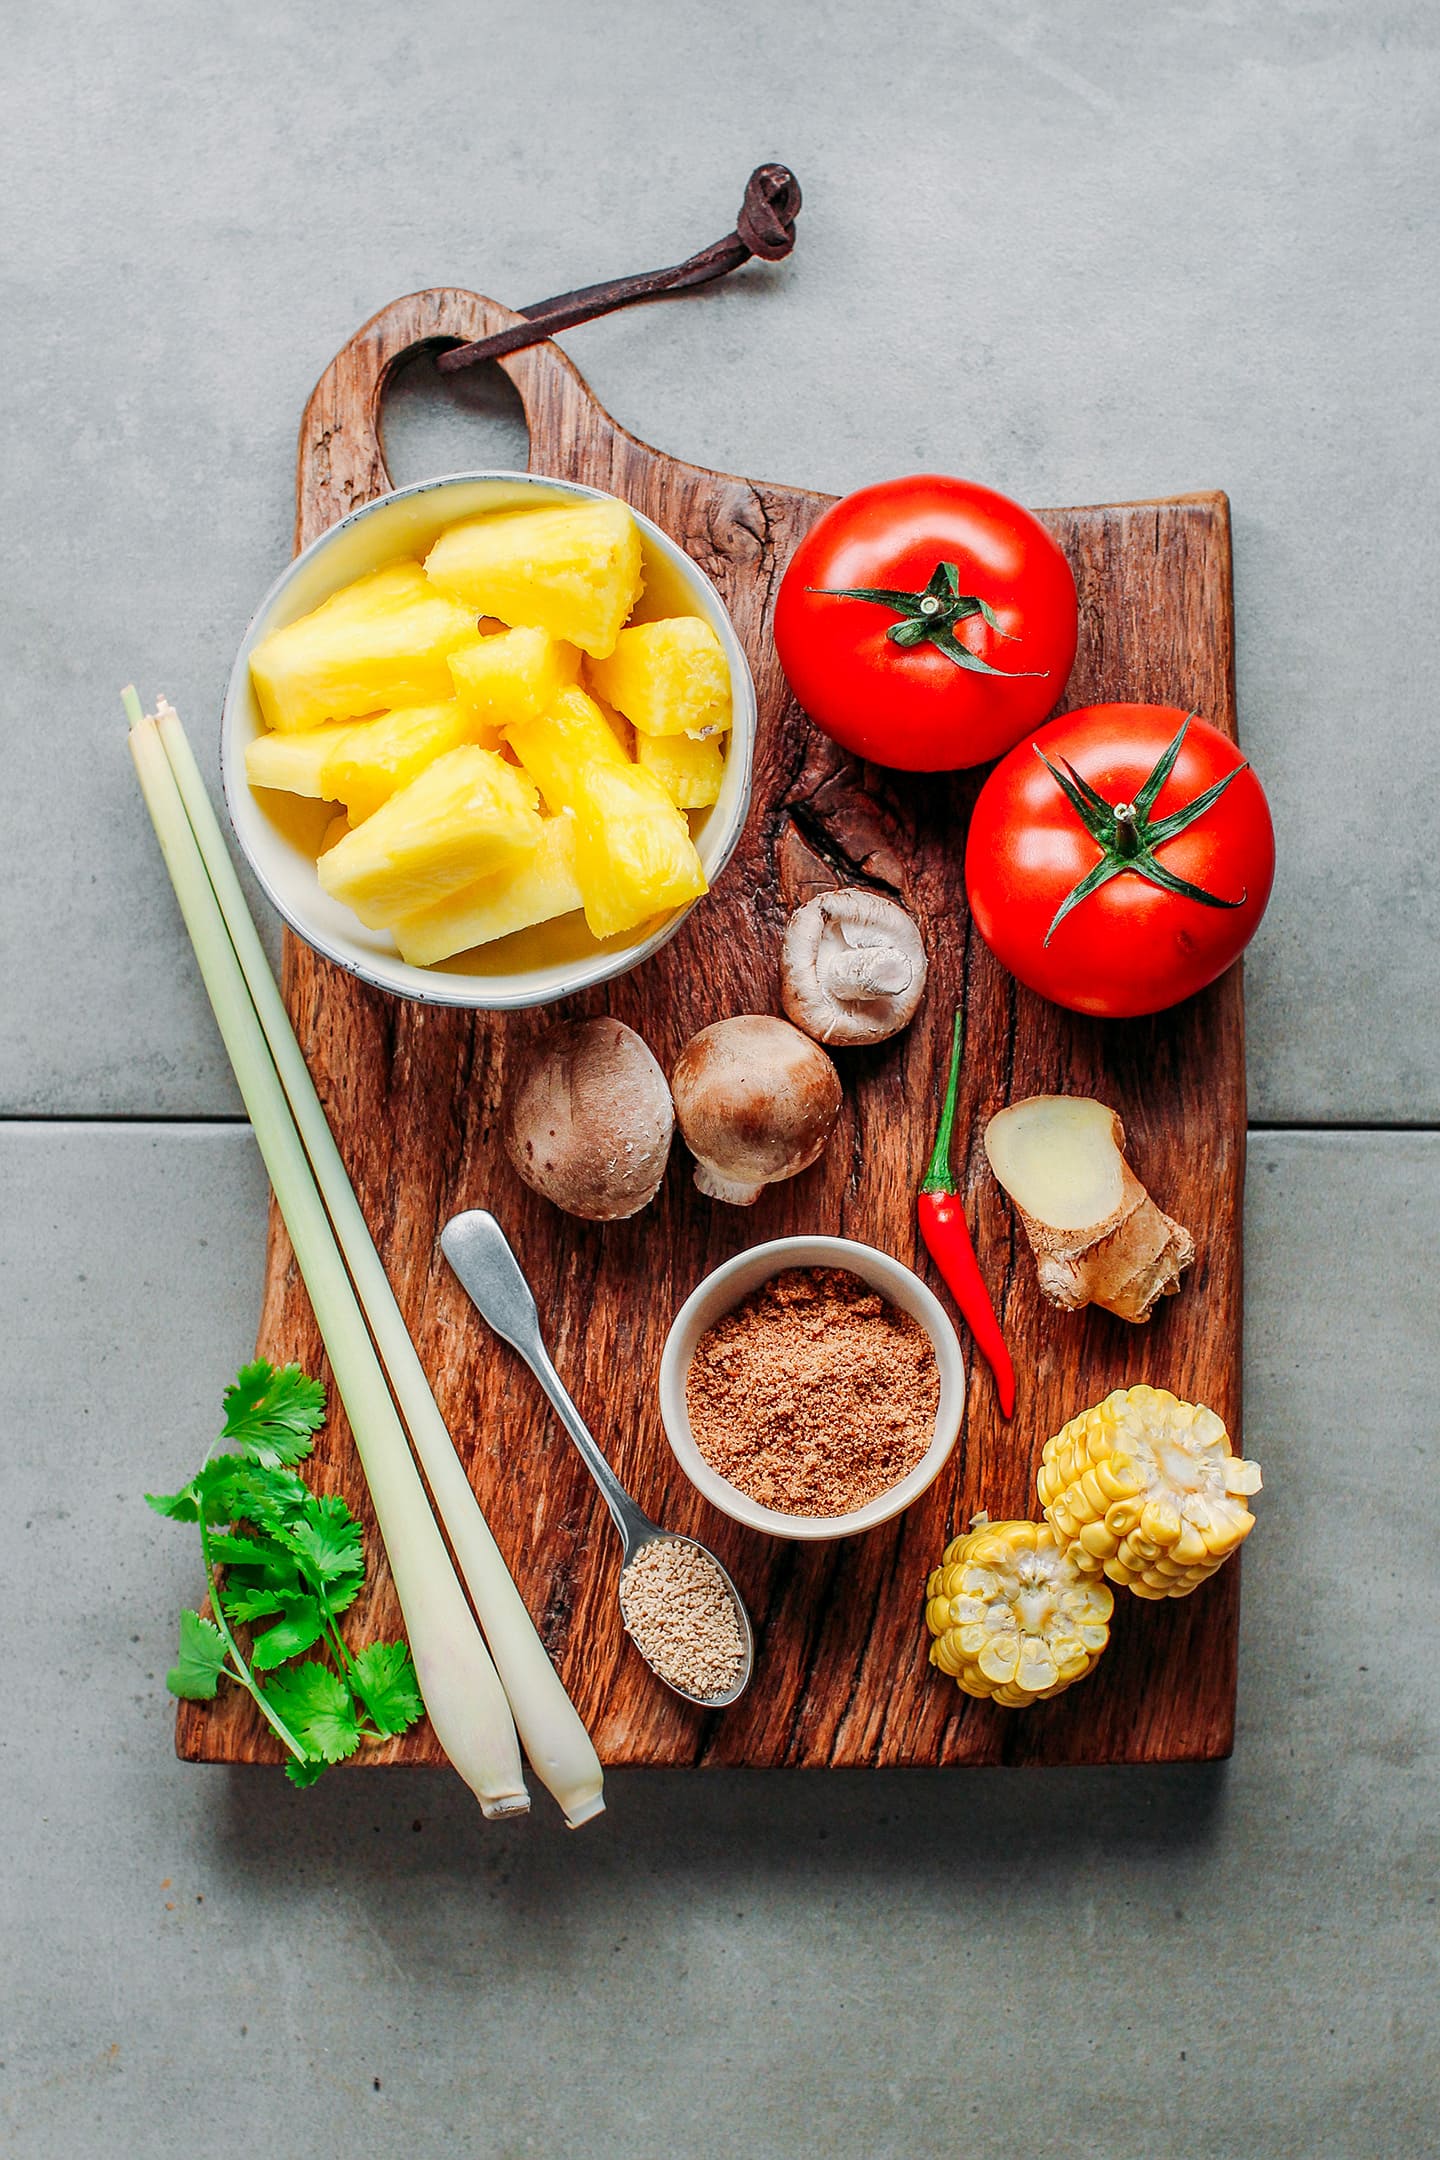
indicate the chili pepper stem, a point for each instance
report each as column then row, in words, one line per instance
column 938, row 1176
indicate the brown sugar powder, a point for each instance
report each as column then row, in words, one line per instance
column 815, row 1394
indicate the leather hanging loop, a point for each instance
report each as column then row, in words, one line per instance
column 765, row 227
column 767, row 217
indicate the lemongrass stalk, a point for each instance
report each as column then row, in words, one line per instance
column 459, row 1683
column 560, row 1749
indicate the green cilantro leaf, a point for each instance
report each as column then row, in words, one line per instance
column 228, row 1549
column 195, row 1675
column 317, row 1706
column 306, row 1773
column 273, row 1415
column 292, row 1560
column 249, row 1601
column 300, row 1629
column 327, row 1541
column 179, row 1506
column 267, row 1498
column 383, row 1676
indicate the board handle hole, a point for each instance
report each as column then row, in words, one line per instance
column 432, row 423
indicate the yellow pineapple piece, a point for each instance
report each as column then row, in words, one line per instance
column 618, row 725
column 558, row 746
column 295, row 763
column 537, row 892
column 571, row 569
column 634, row 856
column 670, row 678
column 334, row 831
column 380, row 642
column 467, row 816
column 379, row 757
column 513, row 676
column 689, row 771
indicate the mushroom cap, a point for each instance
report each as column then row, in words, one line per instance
column 756, row 1102
column 589, row 1120
column 852, row 967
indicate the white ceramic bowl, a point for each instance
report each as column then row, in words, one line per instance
column 280, row 838
column 722, row 1290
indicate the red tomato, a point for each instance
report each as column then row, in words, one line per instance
column 875, row 673
column 1130, row 945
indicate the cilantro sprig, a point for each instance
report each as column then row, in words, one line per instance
column 293, row 1562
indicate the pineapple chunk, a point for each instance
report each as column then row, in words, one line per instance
column 670, row 677
column 634, row 856
column 573, row 570
column 513, row 676
column 295, row 763
column 557, row 748
column 380, row 642
column 379, row 757
column 334, row 831
column 467, row 816
column 689, row 771
column 541, row 889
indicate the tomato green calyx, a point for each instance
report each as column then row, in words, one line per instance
column 929, row 617
column 1126, row 835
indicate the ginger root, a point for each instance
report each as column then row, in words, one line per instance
column 1097, row 1236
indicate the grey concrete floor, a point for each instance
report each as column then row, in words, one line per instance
column 1082, row 251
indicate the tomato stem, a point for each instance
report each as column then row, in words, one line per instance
column 1126, row 834
column 929, row 617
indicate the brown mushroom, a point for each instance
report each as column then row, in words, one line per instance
column 852, row 967
column 756, row 1102
column 589, row 1119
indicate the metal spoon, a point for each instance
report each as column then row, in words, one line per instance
column 478, row 1250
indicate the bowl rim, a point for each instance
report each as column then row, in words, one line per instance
column 439, row 986
column 887, row 1274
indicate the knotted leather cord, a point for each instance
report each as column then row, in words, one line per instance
column 764, row 227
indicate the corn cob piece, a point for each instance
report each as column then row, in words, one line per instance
column 1146, row 1489
column 1013, row 1617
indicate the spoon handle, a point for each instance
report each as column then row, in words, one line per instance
column 479, row 1252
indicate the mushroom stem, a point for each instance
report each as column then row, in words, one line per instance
column 716, row 1186
column 852, row 967
column 863, row 972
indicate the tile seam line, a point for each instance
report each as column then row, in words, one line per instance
column 1261, row 1128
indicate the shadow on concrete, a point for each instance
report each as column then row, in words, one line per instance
column 696, row 1832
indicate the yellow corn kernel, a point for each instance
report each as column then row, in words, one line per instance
column 1013, row 1616
column 1146, row 1489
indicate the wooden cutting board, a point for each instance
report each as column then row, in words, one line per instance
column 414, row 1095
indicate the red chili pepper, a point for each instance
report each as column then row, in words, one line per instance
column 947, row 1239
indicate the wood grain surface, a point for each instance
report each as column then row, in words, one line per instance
column 414, row 1095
